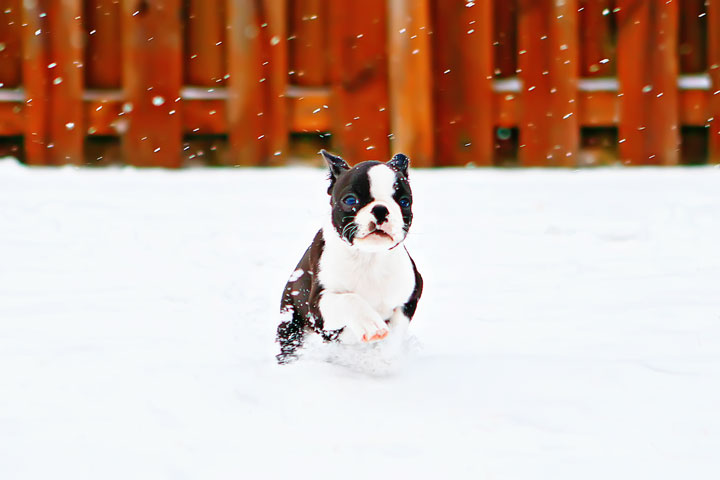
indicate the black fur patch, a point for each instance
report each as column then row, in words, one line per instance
column 355, row 182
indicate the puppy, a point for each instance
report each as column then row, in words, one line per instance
column 356, row 281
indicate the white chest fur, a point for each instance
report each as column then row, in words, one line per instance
column 385, row 280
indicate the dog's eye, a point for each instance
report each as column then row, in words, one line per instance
column 350, row 200
column 404, row 202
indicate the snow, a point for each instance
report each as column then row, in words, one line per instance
column 570, row 328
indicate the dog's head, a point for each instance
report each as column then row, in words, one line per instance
column 371, row 202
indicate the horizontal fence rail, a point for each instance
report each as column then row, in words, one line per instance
column 260, row 82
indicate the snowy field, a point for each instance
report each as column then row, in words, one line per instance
column 569, row 329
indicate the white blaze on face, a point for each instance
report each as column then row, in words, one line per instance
column 382, row 188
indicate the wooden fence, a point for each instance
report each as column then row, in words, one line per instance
column 447, row 81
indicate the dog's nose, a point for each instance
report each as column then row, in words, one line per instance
column 380, row 212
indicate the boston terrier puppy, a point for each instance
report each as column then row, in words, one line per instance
column 356, row 282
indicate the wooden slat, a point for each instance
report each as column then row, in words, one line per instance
column 36, row 84
column 202, row 117
column 208, row 116
column 664, row 104
column 103, row 65
column 276, row 72
column 308, row 112
column 598, row 109
column 505, row 17
column 694, row 108
column 245, row 103
column 105, row 117
column 204, row 53
column 633, row 66
column 12, row 121
column 564, row 71
column 359, row 76
column 462, row 72
column 152, row 73
column 10, row 43
column 410, row 80
column 597, row 46
column 309, row 45
column 713, row 23
column 548, row 60
column 648, row 68
column 66, row 74
column 692, row 48
column 602, row 109
column 535, row 132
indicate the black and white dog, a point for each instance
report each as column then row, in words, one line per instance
column 356, row 281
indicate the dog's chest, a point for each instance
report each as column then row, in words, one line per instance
column 385, row 280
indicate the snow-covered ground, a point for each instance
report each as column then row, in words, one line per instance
column 570, row 328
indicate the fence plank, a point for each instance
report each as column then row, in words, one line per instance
column 597, row 46
column 308, row 49
column 103, row 65
column 12, row 122
column 152, row 73
column 647, row 68
column 564, row 73
column 67, row 128
column 35, row 81
column 410, row 80
column 359, row 77
column 245, row 102
column 463, row 71
column 548, row 60
column 714, row 70
column 10, row 43
column 276, row 72
column 204, row 53
column 692, row 43
column 505, row 17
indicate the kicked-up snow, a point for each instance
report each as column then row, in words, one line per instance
column 569, row 328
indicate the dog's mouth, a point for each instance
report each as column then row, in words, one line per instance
column 380, row 234
column 374, row 231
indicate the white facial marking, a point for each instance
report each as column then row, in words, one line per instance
column 382, row 182
column 382, row 188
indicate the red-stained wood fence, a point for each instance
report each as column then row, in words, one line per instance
column 525, row 82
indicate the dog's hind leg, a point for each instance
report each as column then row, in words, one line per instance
column 290, row 336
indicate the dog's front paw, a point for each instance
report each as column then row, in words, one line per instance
column 365, row 330
column 378, row 335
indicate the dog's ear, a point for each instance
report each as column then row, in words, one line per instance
column 400, row 163
column 336, row 165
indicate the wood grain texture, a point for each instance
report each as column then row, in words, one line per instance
column 205, row 50
column 152, row 75
column 10, row 43
column 36, row 83
column 462, row 72
column 647, row 70
column 360, row 102
column 549, row 68
column 103, row 58
column 714, row 70
column 276, row 69
column 309, row 21
column 597, row 39
column 66, row 75
column 409, row 51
